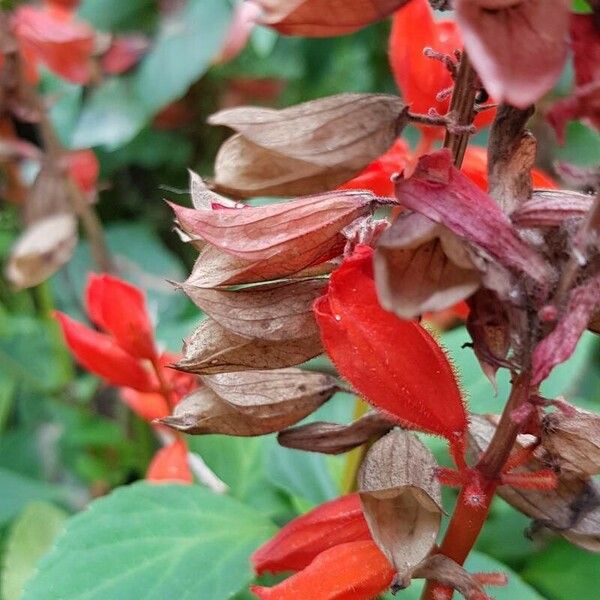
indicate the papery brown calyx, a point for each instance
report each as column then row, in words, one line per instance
column 251, row 403
column 502, row 36
column 572, row 509
column 322, row 18
column 421, row 266
column 446, row 196
column 304, row 149
column 550, row 208
column 333, row 438
column 401, row 498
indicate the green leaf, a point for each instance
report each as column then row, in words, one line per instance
column 186, row 44
column 564, row 572
column 109, row 15
column 153, row 541
column 111, row 116
column 581, row 147
column 30, row 538
column 478, row 562
column 17, row 491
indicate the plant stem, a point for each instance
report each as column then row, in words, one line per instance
column 462, row 109
column 469, row 517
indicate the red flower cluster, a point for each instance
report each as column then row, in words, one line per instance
column 332, row 550
column 124, row 354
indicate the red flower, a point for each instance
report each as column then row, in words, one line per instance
column 171, row 464
column 352, row 571
column 394, row 364
column 51, row 36
column 418, row 77
column 120, row 309
column 301, row 540
column 124, row 53
column 100, row 354
column 83, row 168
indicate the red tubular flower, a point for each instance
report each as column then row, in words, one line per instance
column 352, row 571
column 100, row 354
column 395, row 364
column 301, row 540
column 124, row 53
column 147, row 406
column 170, row 464
column 418, row 77
column 120, row 309
column 50, row 35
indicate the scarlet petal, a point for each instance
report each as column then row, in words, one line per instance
column 301, row 540
column 83, row 168
column 49, row 35
column 170, row 464
column 124, row 53
column 120, row 309
column 100, row 354
column 352, row 571
column 148, row 406
column 396, row 365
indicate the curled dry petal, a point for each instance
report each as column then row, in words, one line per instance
column 306, row 228
column 560, row 343
column 307, row 148
column 573, row 441
column 572, row 509
column 252, row 404
column 421, row 266
column 331, row 438
column 204, row 198
column 213, row 349
column 411, row 380
column 501, row 37
column 352, row 571
column 323, row 18
column 276, row 312
column 549, row 208
column 41, row 250
column 120, row 309
column 100, row 354
column 170, row 464
column 299, row 542
column 402, row 499
column 445, row 195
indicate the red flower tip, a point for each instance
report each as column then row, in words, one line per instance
column 147, row 406
column 120, row 309
column 170, row 464
column 100, row 354
column 352, row 571
column 83, row 168
column 301, row 540
column 394, row 364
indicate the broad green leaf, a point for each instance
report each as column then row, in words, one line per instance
column 111, row 116
column 240, row 463
column 154, row 542
column 478, row 562
column 17, row 491
column 7, row 392
column 30, row 538
column 109, row 15
column 564, row 572
column 187, row 42
column 582, row 145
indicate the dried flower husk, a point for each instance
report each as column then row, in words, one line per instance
column 572, row 439
column 421, row 266
column 550, row 208
column 401, row 499
column 307, row 148
column 250, row 404
column 43, row 248
column 333, row 438
column 276, row 312
column 213, row 349
column 323, row 18
column 572, row 509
